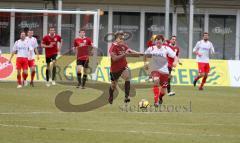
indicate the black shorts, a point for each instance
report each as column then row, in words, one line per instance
column 115, row 75
column 50, row 59
column 83, row 63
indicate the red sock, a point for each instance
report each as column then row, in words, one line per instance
column 161, row 95
column 197, row 78
column 32, row 76
column 203, row 81
column 156, row 93
column 19, row 79
column 24, row 76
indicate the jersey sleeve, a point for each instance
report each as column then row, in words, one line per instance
column 178, row 51
column 196, row 48
column 212, row 51
column 35, row 43
column 112, row 50
column 75, row 44
column 170, row 52
column 59, row 38
column 89, row 42
column 44, row 40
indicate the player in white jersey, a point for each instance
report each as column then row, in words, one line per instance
column 202, row 50
column 21, row 48
column 158, row 68
column 31, row 59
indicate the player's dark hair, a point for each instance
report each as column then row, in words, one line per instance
column 205, row 33
column 22, row 31
column 82, row 29
column 51, row 28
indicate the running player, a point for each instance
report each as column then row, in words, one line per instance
column 202, row 50
column 119, row 68
column 31, row 59
column 83, row 47
column 158, row 68
column 21, row 48
column 52, row 44
column 173, row 45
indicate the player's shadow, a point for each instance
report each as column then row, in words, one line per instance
column 62, row 100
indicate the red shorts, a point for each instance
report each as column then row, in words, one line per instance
column 162, row 77
column 22, row 63
column 203, row 67
column 31, row 63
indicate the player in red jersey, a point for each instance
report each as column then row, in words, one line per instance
column 173, row 45
column 83, row 47
column 119, row 68
column 21, row 48
column 31, row 59
column 52, row 44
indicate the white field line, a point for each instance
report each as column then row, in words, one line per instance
column 116, row 131
column 138, row 123
column 41, row 112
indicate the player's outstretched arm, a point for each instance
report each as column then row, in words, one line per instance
column 133, row 53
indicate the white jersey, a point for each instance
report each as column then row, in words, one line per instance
column 33, row 43
column 22, row 47
column 203, row 48
column 159, row 60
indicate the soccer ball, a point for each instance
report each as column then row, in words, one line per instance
column 143, row 103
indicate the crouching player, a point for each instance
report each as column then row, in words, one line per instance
column 119, row 68
column 158, row 67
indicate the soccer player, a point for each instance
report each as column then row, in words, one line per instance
column 83, row 47
column 173, row 45
column 202, row 50
column 158, row 68
column 21, row 48
column 31, row 59
column 52, row 44
column 119, row 68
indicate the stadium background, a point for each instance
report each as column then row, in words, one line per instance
column 221, row 18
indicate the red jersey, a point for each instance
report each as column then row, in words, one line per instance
column 120, row 64
column 47, row 40
column 171, row 60
column 83, row 51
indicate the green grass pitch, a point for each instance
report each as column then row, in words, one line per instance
column 29, row 115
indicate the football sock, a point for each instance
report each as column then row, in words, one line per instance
column 156, row 93
column 79, row 78
column 203, row 81
column 127, row 88
column 19, row 79
column 169, row 85
column 84, row 80
column 54, row 72
column 47, row 75
column 111, row 91
column 32, row 76
column 24, row 76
